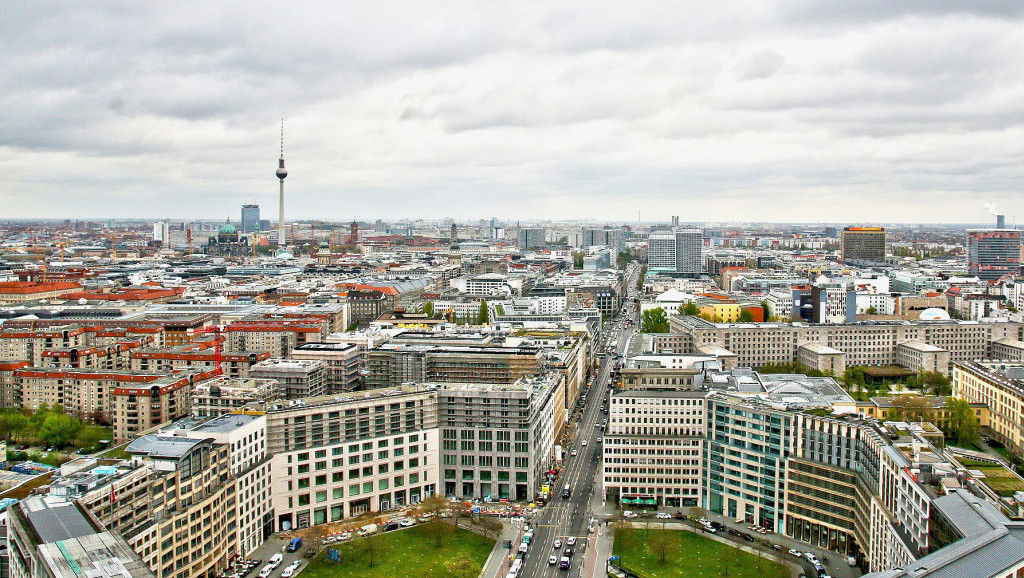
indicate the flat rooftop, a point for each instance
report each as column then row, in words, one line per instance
column 57, row 519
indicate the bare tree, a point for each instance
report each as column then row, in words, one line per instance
column 368, row 547
column 490, row 526
column 433, row 506
column 659, row 543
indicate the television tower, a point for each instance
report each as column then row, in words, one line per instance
column 281, row 174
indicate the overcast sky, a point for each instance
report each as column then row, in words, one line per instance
column 808, row 110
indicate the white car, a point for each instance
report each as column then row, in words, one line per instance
column 663, row 516
column 290, row 570
column 406, row 523
column 793, row 552
column 584, row 443
column 570, row 541
column 557, row 543
column 573, row 453
column 629, row 514
column 552, row 560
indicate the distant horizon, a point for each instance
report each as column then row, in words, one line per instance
column 524, row 222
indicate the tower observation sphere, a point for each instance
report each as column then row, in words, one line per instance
column 281, row 171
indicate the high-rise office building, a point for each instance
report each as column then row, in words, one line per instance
column 689, row 251
column 531, row 237
column 992, row 253
column 863, row 244
column 608, row 237
column 250, row 218
column 661, row 251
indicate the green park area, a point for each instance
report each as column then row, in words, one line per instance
column 49, row 428
column 656, row 553
column 427, row 551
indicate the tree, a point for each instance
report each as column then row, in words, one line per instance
column 691, row 309
column 368, row 547
column 746, row 316
column 935, row 383
column 428, row 309
column 654, row 321
column 482, row 317
column 767, row 309
column 461, row 566
column 871, row 311
column 59, row 430
column 911, row 408
column 961, row 421
column 490, row 526
column 640, row 278
column 90, row 436
column 433, row 505
column 659, row 543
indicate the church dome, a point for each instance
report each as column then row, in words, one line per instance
column 228, row 229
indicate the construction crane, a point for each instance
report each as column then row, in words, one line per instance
column 218, row 356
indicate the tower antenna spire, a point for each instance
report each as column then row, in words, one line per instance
column 281, row 174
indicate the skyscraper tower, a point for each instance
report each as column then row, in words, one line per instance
column 281, row 174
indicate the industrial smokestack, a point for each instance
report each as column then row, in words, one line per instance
column 1000, row 221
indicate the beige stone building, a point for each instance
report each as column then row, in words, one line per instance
column 874, row 343
column 339, row 456
column 1000, row 386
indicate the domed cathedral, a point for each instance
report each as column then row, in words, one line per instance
column 227, row 242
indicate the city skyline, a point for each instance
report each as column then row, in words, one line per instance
column 784, row 113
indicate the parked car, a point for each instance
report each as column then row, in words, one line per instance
column 406, row 523
column 663, row 516
column 629, row 514
column 793, row 552
column 289, row 571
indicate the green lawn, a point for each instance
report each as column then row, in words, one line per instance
column 410, row 552
column 689, row 556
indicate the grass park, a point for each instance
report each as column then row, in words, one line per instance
column 410, row 552
column 654, row 553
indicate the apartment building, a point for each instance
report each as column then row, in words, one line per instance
column 225, row 395
column 339, row 456
column 498, row 441
column 278, row 337
column 30, row 344
column 344, row 364
column 296, row 378
column 89, row 393
column 141, row 407
column 51, row 537
column 177, row 509
column 245, row 435
column 196, row 356
column 391, row 364
column 869, row 343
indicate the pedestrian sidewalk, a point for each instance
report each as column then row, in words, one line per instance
column 497, row 563
column 598, row 551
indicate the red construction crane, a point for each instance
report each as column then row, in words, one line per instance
column 216, row 330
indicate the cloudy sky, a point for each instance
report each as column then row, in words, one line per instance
column 802, row 110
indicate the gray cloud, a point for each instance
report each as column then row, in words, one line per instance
column 813, row 110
